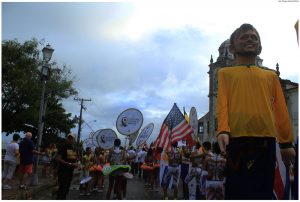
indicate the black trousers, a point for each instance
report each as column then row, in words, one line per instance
column 250, row 168
column 136, row 167
column 64, row 183
column 132, row 171
column 139, row 169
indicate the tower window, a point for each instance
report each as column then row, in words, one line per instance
column 201, row 127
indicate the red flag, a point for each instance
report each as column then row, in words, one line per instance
column 162, row 140
column 281, row 187
column 173, row 129
column 278, row 183
column 189, row 141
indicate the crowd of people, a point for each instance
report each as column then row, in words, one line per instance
column 20, row 155
column 203, row 163
column 200, row 170
column 121, row 164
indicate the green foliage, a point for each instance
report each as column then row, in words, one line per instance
column 22, row 89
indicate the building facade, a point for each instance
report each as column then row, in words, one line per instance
column 207, row 125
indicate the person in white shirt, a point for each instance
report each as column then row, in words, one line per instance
column 141, row 159
column 131, row 157
column 10, row 161
column 136, row 163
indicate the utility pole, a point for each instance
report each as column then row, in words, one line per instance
column 80, row 121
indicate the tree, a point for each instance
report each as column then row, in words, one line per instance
column 21, row 90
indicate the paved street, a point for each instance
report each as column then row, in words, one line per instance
column 42, row 191
column 135, row 191
column 45, row 190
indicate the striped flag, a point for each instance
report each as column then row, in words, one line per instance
column 278, row 189
column 174, row 128
column 281, row 190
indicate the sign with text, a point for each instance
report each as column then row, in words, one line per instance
column 129, row 121
column 106, row 138
column 145, row 134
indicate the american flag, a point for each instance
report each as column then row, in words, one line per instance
column 173, row 129
column 282, row 184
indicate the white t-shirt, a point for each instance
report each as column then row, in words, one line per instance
column 141, row 156
column 10, row 154
column 136, row 159
column 131, row 153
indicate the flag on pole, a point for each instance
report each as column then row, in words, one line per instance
column 281, row 189
column 185, row 115
column 278, row 189
column 173, row 129
column 189, row 139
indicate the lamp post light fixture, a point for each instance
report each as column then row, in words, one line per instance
column 45, row 73
column 47, row 53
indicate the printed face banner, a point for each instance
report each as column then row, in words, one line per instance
column 106, row 138
column 129, row 121
column 145, row 134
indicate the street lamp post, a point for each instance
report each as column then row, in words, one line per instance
column 45, row 71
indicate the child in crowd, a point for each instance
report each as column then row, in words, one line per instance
column 85, row 178
column 99, row 160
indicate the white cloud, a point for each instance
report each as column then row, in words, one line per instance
column 150, row 54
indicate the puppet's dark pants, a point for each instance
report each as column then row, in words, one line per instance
column 250, row 168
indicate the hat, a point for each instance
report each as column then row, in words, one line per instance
column 71, row 135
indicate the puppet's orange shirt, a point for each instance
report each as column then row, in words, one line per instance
column 250, row 102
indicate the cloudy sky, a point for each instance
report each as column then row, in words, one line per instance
column 149, row 55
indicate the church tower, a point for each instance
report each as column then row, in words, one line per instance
column 225, row 59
